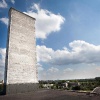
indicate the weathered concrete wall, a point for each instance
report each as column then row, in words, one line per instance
column 21, row 52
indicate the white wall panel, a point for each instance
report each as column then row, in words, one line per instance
column 21, row 67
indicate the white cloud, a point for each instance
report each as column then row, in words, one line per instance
column 46, row 21
column 68, row 70
column 81, row 52
column 4, row 20
column 3, row 4
column 12, row 1
column 77, row 72
column 98, row 68
column 44, row 53
column 39, row 67
column 2, row 57
column 53, row 69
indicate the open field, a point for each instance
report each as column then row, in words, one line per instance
column 50, row 95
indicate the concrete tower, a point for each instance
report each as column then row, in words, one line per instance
column 20, row 70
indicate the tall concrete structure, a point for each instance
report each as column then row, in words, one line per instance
column 20, row 70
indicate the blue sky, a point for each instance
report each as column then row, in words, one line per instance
column 67, row 36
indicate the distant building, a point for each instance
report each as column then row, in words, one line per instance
column 65, row 85
column 70, row 84
column 48, row 86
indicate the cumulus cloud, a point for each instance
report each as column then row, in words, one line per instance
column 79, row 71
column 2, row 56
column 53, row 69
column 68, row 70
column 39, row 66
column 3, row 4
column 98, row 68
column 4, row 20
column 81, row 52
column 12, row 1
column 44, row 53
column 46, row 21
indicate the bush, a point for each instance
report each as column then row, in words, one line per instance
column 40, row 86
column 1, row 88
column 76, row 88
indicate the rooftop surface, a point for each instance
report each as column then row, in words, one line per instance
column 50, row 95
